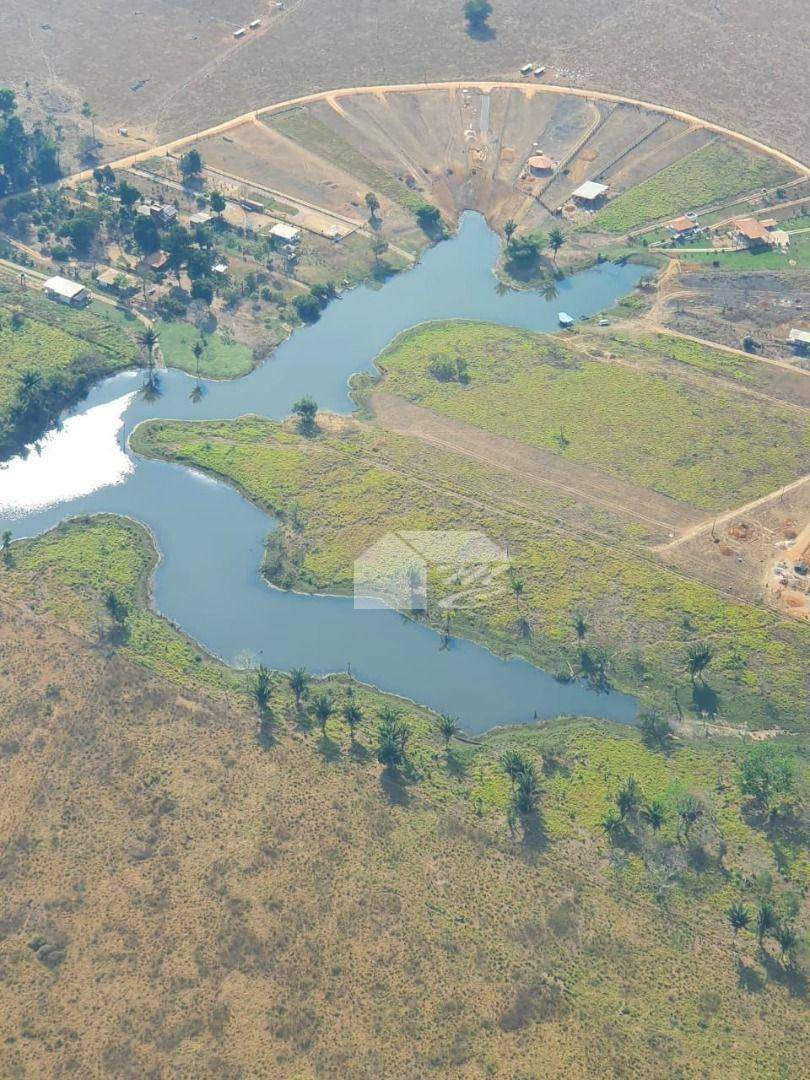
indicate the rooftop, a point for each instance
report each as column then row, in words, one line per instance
column 64, row 287
column 751, row 229
column 681, row 224
column 589, row 191
column 285, row 232
column 540, row 162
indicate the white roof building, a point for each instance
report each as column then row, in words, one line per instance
column 799, row 337
column 201, row 218
column 589, row 191
column 288, row 234
column 65, row 289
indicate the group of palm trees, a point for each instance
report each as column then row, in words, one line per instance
column 766, row 923
column 631, row 806
column 525, row 781
column 149, row 341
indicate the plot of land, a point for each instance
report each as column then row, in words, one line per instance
column 698, row 443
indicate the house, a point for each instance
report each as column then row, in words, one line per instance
column 682, row 227
column 799, row 339
column 201, row 218
column 220, row 268
column 285, row 234
column 157, row 260
column 750, row 233
column 590, row 193
column 540, row 165
column 163, row 214
column 117, row 281
column 65, row 291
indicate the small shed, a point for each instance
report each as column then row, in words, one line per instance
column 163, row 214
column 157, row 260
column 589, row 193
column 201, row 218
column 65, row 291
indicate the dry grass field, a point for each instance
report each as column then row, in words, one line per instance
column 184, row 896
column 188, row 71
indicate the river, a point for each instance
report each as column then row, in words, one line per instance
column 211, row 538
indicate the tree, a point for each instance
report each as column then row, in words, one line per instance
column 88, row 114
column 580, row 627
column 146, row 234
column 218, row 203
column 260, row 688
column 766, row 775
column 527, row 791
column 128, row 194
column 556, row 239
column 379, row 245
column 81, row 229
column 517, row 585
column 373, row 204
column 654, row 814
column 698, row 658
column 509, row 227
column 739, row 917
column 116, row 608
column 628, row 799
column 177, row 245
column 766, row 920
column 612, row 826
column 392, row 739
column 8, row 102
column 191, row 164
column 476, row 12
column 299, row 684
column 353, row 717
column 148, row 339
column 514, row 764
column 323, row 707
column 524, row 251
column 306, row 409
column 448, row 728
column 654, row 727
column 428, row 216
column 690, row 810
column 308, row 307
column 786, row 940
column 6, row 538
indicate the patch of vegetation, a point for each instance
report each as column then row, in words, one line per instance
column 220, row 359
column 337, row 494
column 49, row 357
column 27, row 157
column 712, row 173
column 797, row 256
column 702, row 445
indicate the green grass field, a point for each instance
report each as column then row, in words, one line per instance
column 220, row 360
column 347, row 490
column 340, row 877
column 64, row 350
column 699, row 444
column 797, row 256
column 713, row 173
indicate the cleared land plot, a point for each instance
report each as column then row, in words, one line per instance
column 220, row 358
column 336, row 889
column 715, row 172
column 700, row 444
column 544, row 468
column 668, row 142
column 348, row 489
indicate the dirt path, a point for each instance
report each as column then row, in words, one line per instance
column 534, row 465
column 738, row 511
column 410, row 88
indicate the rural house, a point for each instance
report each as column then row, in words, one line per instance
column 72, row 293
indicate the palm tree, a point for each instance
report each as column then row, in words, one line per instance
column 353, row 716
column 6, row 540
column 612, row 826
column 690, row 810
column 448, row 728
column 654, row 814
column 260, row 690
column 517, row 585
column 549, row 291
column 299, row 684
column 392, row 738
column 197, row 348
column 514, row 765
column 629, row 798
column 29, row 382
column 786, row 940
column 527, row 791
column 698, row 658
column 740, row 918
column 323, row 707
column 556, row 239
column 148, row 339
column 654, row 726
column 509, row 227
column 766, row 920
column 88, row 114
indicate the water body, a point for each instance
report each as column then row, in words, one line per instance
column 211, row 538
